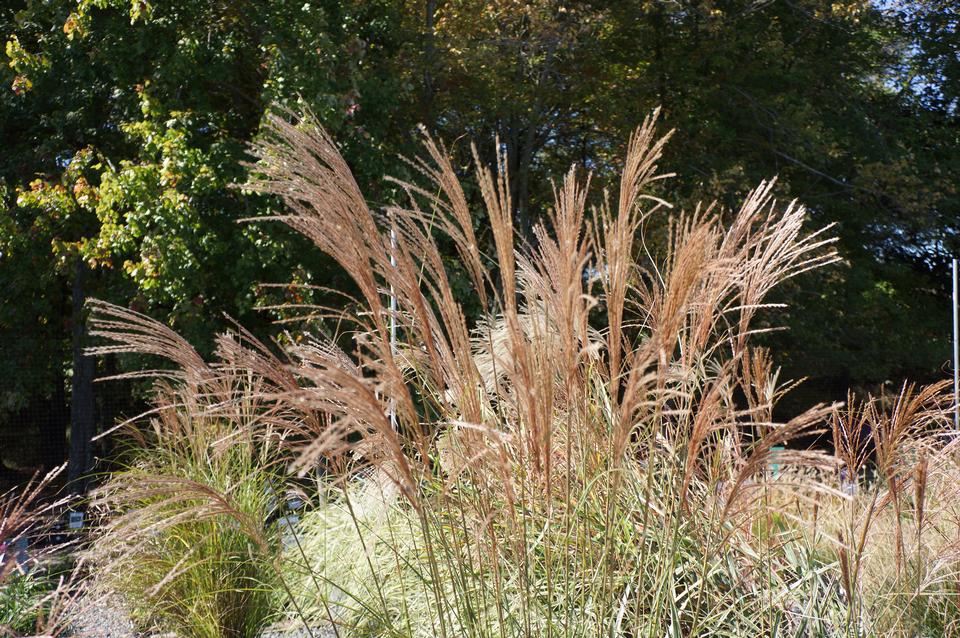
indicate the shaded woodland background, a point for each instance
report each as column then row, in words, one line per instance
column 124, row 124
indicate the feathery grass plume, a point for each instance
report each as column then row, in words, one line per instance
column 186, row 537
column 22, row 513
column 531, row 474
column 33, row 599
column 189, row 530
column 898, row 583
column 557, row 479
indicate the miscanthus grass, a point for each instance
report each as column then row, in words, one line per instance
column 595, row 456
column 35, row 591
column 188, row 535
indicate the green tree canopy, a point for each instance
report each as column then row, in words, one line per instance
column 125, row 123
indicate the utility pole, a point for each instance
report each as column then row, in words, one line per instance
column 956, row 354
column 393, row 311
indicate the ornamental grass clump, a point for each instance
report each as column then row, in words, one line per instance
column 189, row 530
column 592, row 456
column 34, row 595
column 551, row 478
column 896, row 534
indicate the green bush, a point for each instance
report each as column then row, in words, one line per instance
column 23, row 601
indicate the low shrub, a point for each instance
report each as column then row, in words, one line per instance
column 22, row 599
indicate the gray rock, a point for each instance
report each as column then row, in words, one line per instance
column 101, row 619
column 298, row 631
column 109, row 618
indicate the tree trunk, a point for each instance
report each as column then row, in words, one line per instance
column 81, row 398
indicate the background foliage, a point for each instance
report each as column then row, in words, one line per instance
column 124, row 124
